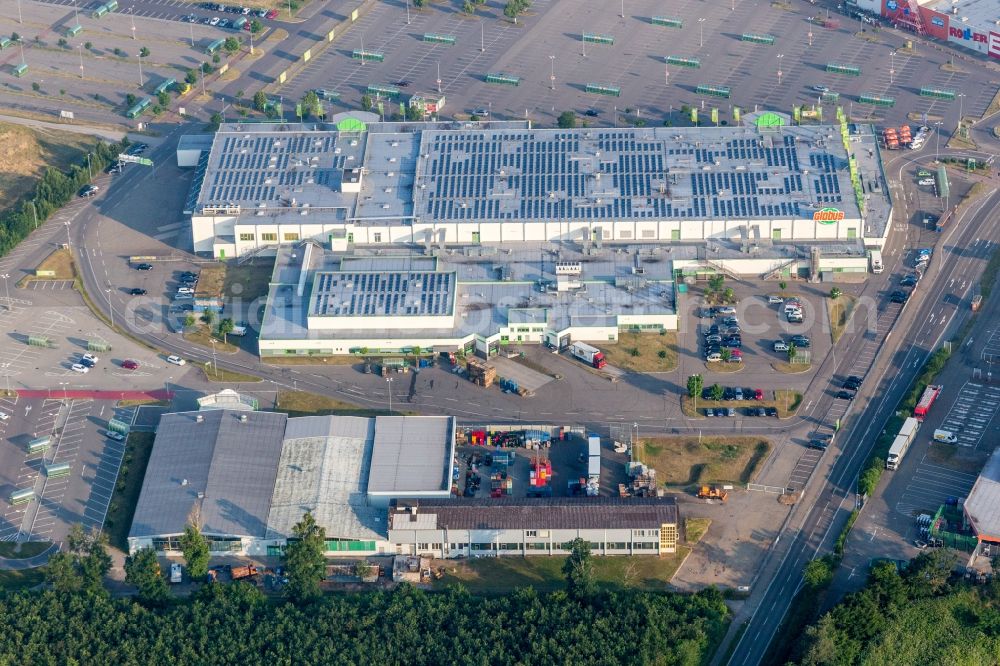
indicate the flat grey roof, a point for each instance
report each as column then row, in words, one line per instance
column 980, row 14
column 982, row 506
column 324, row 469
column 412, row 454
column 383, row 294
column 216, row 463
column 515, row 513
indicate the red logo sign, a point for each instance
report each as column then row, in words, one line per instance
column 828, row 215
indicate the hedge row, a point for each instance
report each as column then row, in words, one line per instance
column 54, row 190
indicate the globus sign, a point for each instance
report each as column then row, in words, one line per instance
column 828, row 215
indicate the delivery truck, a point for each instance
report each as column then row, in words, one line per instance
column 590, row 355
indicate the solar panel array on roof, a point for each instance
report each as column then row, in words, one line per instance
column 259, row 168
column 510, row 175
column 359, row 294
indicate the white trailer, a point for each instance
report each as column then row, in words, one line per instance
column 901, row 444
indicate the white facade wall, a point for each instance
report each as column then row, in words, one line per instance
column 254, row 547
column 376, row 323
column 251, row 233
column 443, row 543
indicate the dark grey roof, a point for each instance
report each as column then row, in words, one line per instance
column 231, row 462
column 412, row 454
column 556, row 513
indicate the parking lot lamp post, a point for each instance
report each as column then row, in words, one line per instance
column 131, row 14
column 289, row 8
column 69, row 243
column 90, row 172
column 6, row 287
column 810, row 36
column 482, row 36
column 780, row 56
column 623, row 9
column 388, row 384
column 140, row 71
column 407, row 12
column 701, row 32
column 81, row 60
column 666, row 72
column 892, row 65
column 34, row 212
column 63, row 385
column 215, row 365
column 552, row 72
column 6, row 374
column 111, row 310
column 937, row 145
column 251, row 41
column 439, row 77
column 76, row 15
column 191, row 26
column 19, row 19
column 961, row 102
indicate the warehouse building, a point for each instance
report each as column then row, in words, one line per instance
column 367, row 301
column 248, row 477
column 982, row 506
column 969, row 24
column 452, row 184
column 513, row 526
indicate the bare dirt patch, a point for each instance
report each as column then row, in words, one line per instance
column 685, row 461
column 25, row 153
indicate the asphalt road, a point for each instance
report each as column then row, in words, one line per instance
column 924, row 323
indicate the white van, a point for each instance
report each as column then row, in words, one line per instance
column 726, row 310
column 238, row 331
column 945, row 436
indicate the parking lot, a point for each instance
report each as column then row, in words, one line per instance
column 92, row 72
column 970, row 416
column 554, row 64
column 930, row 486
column 75, row 429
column 991, row 351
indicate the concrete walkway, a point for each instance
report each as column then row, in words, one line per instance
column 30, row 562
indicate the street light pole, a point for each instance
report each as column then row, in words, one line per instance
column 892, row 65
column 961, row 102
column 623, row 9
column 552, row 72
column 140, row 70
column 780, row 56
column 90, row 172
column 388, row 384
column 81, row 60
column 111, row 310
column 19, row 19
column 215, row 365
column 937, row 147
column 666, row 72
column 482, row 37
column 701, row 32
column 251, row 41
column 131, row 13
column 407, row 12
column 34, row 212
column 7, row 289
column 439, row 76
column 810, row 35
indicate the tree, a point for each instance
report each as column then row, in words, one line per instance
column 130, row 99
column 84, row 563
column 143, row 52
column 366, row 102
column 362, row 569
column 189, row 320
column 62, row 42
column 88, row 45
column 208, row 317
column 567, row 120
column 256, row 26
column 515, row 7
column 817, row 573
column 143, row 571
column 726, row 354
column 191, row 77
column 304, row 560
column 226, row 327
column 231, row 45
column 194, row 545
column 207, row 68
column 579, row 570
column 163, row 98
column 782, row 285
column 728, row 295
column 36, row 86
column 14, row 37
column 695, row 385
column 792, row 352
column 310, row 104
column 418, row 3
column 259, row 100
column 835, row 293
column 717, row 391
column 468, row 7
column 118, row 52
column 716, row 282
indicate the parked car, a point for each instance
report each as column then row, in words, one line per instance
column 727, row 393
column 117, row 436
column 214, row 20
column 87, row 362
column 136, row 291
column 91, row 358
column 591, row 113
column 737, row 393
column 845, row 395
column 129, row 364
column 758, row 394
column 898, row 297
column 713, row 330
column 88, row 191
column 144, row 267
column 780, row 346
column 818, row 444
column 79, row 367
column 714, row 357
column 771, row 411
column 775, row 300
column 735, row 356
column 908, row 280
column 176, row 360
column 730, row 411
column 709, row 339
column 821, row 89
column 4, row 416
column 800, row 341
column 853, row 383
column 273, row 13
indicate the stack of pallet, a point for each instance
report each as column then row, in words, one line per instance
column 480, row 373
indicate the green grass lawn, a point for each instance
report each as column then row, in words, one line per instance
column 137, row 450
column 499, row 575
column 27, row 550
column 227, row 376
column 682, row 461
column 302, row 403
column 12, row 581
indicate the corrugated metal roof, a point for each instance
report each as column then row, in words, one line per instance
column 412, row 454
column 232, row 463
column 555, row 513
column 983, row 503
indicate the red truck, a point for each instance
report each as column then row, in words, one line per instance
column 590, row 355
column 926, row 400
